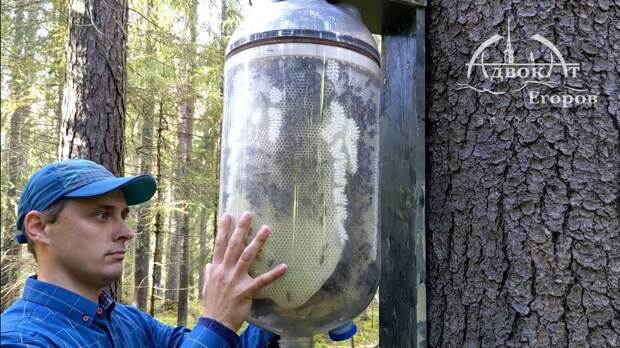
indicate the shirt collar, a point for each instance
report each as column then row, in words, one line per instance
column 74, row 306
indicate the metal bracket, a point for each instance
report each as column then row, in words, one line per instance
column 380, row 14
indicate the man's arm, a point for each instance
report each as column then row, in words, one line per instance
column 14, row 339
column 254, row 336
column 207, row 332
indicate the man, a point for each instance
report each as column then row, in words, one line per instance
column 72, row 215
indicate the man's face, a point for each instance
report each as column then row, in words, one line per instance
column 87, row 241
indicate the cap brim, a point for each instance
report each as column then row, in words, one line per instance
column 137, row 189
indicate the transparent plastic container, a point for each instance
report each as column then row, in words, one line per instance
column 300, row 150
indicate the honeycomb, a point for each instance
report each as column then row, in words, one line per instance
column 299, row 151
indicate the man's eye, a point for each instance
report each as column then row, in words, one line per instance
column 102, row 216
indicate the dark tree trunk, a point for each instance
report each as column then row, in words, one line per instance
column 143, row 228
column 94, row 94
column 158, row 253
column 58, row 111
column 184, row 273
column 184, row 146
column 523, row 231
column 173, row 254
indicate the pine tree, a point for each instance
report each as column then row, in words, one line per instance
column 143, row 228
column 94, row 93
column 184, row 146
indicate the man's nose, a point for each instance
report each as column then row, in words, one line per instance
column 124, row 231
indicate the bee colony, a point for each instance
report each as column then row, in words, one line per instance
column 300, row 151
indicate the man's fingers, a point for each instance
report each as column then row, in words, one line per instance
column 249, row 254
column 266, row 279
column 221, row 239
column 236, row 244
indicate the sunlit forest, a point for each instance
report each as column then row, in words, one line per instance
column 171, row 120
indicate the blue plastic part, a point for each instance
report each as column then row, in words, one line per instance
column 343, row 332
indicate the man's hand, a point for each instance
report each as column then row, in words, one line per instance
column 228, row 288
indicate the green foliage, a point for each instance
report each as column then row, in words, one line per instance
column 32, row 75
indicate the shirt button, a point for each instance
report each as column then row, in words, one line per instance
column 99, row 310
column 85, row 317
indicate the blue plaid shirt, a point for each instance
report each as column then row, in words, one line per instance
column 50, row 316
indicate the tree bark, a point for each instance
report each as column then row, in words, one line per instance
column 94, row 92
column 58, row 111
column 523, row 217
column 184, row 138
column 143, row 228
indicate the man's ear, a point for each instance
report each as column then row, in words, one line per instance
column 35, row 225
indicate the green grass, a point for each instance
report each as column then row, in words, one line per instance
column 367, row 335
column 167, row 313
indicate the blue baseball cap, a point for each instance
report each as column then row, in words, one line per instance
column 77, row 178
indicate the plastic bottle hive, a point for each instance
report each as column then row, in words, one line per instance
column 300, row 150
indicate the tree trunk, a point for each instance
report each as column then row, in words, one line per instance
column 58, row 111
column 224, row 27
column 183, row 271
column 159, row 240
column 523, row 217
column 184, row 136
column 172, row 256
column 143, row 229
column 94, row 93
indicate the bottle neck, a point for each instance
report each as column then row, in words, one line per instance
column 296, row 342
